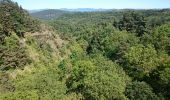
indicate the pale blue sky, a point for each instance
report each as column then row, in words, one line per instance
column 118, row 4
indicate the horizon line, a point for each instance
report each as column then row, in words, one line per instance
column 100, row 8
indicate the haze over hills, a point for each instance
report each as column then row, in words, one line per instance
column 50, row 14
column 73, row 9
column 85, row 9
column 47, row 14
column 36, row 10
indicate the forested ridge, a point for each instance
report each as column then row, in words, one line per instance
column 106, row 55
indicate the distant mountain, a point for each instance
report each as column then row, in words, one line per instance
column 85, row 9
column 47, row 14
column 37, row 10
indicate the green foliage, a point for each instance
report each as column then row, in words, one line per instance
column 13, row 54
column 41, row 46
column 155, row 21
column 140, row 91
column 2, row 36
column 117, row 43
column 159, row 38
column 84, row 25
column 98, row 53
column 15, row 19
column 26, row 95
column 141, row 59
column 95, row 79
column 138, row 51
column 46, row 83
column 160, row 79
column 133, row 22
column 163, row 36
column 5, row 83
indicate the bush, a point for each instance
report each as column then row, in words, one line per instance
column 13, row 54
column 21, row 95
column 95, row 80
column 46, row 83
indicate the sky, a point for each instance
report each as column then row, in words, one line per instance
column 106, row 4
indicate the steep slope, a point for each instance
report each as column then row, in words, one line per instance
column 14, row 22
column 27, row 47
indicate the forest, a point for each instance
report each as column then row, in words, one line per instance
column 103, row 55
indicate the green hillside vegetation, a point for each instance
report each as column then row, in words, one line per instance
column 111, row 55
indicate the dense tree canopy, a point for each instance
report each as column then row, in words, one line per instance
column 140, row 91
column 110, row 55
column 133, row 22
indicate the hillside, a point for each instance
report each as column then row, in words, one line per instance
column 85, row 9
column 48, row 14
column 28, row 48
column 108, row 55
